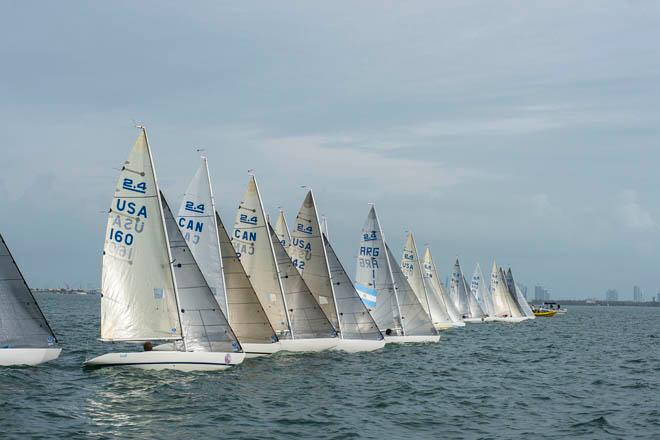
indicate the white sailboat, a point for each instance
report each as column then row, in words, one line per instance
column 296, row 317
column 420, row 283
column 504, row 307
column 282, row 230
column 481, row 292
column 465, row 302
column 25, row 336
column 326, row 278
column 141, row 300
column 211, row 246
column 439, row 291
column 516, row 293
column 385, row 291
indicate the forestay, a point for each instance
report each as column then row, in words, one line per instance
column 246, row 315
column 439, row 292
column 307, row 319
column 253, row 245
column 414, row 319
column 196, row 220
column 204, row 326
column 374, row 279
column 137, row 286
column 22, row 324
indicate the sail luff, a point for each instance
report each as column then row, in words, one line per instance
column 217, row 238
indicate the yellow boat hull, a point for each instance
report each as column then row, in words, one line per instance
column 545, row 313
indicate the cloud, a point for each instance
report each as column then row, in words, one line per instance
column 632, row 215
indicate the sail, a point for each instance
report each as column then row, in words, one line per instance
column 475, row 309
column 437, row 288
column 414, row 319
column 525, row 308
column 22, row 324
column 457, row 292
column 374, row 280
column 137, row 288
column 282, row 230
column 511, row 286
column 196, row 220
column 252, row 243
column 503, row 303
column 307, row 253
column 307, row 318
column 480, row 292
column 355, row 321
column 203, row 324
column 246, row 315
column 420, row 283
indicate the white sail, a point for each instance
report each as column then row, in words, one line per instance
column 374, row 281
column 22, row 324
column 414, row 319
column 204, row 326
column 420, row 283
column 480, row 292
column 246, row 314
column 465, row 302
column 307, row 319
column 282, row 230
column 307, row 253
column 138, row 298
column 253, row 245
column 196, row 220
column 355, row 321
column 526, row 309
column 475, row 309
column 503, row 304
column 515, row 293
column 439, row 292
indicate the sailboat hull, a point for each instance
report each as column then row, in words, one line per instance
column 474, row 320
column 253, row 350
column 359, row 345
column 458, row 324
column 411, row 339
column 308, row 345
column 512, row 319
column 444, row 325
column 27, row 356
column 168, row 360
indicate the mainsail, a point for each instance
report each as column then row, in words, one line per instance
column 282, row 230
column 465, row 302
column 438, row 289
column 307, row 253
column 503, row 304
column 204, row 326
column 22, row 324
column 138, row 298
column 421, row 283
column 480, row 292
column 246, row 315
column 526, row 309
column 253, row 245
column 517, row 295
column 374, row 278
column 196, row 220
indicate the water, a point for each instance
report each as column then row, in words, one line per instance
column 593, row 373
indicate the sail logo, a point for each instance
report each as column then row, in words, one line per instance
column 368, row 295
column 301, row 244
column 370, row 236
column 245, row 235
column 408, row 256
column 369, row 251
column 190, row 224
column 248, row 220
column 129, row 185
column 131, row 208
column 305, row 230
column 190, row 206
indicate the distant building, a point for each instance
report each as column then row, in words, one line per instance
column 541, row 294
column 612, row 295
column 657, row 297
column 637, row 294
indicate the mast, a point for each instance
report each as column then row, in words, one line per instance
column 272, row 251
column 217, row 238
column 167, row 241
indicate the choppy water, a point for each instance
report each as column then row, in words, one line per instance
column 594, row 373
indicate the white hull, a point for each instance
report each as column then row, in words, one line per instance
column 411, row 339
column 169, row 360
column 444, row 325
column 308, row 345
column 458, row 324
column 512, row 319
column 253, row 350
column 27, row 356
column 474, row 320
column 358, row 345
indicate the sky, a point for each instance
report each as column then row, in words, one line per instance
column 525, row 132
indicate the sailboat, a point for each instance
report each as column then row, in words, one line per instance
column 505, row 308
column 420, row 283
column 515, row 292
column 25, row 336
column 386, row 292
column 439, row 291
column 152, row 289
column 465, row 302
column 326, row 278
column 481, row 293
column 282, row 230
column 211, row 246
column 296, row 317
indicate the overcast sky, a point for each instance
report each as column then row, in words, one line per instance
column 527, row 131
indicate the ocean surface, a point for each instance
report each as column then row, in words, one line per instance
column 593, row 373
